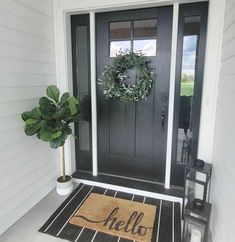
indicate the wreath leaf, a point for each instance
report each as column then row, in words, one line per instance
column 113, row 77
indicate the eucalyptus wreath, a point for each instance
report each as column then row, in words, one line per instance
column 113, row 78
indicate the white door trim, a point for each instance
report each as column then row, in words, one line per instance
column 131, row 190
column 62, row 11
column 171, row 94
column 93, row 95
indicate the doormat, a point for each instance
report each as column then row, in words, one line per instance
column 116, row 216
column 132, row 215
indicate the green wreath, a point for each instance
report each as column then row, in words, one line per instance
column 113, row 77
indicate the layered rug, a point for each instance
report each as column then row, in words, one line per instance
column 95, row 214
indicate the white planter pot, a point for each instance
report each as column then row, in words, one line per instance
column 64, row 187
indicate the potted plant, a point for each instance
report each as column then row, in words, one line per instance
column 51, row 123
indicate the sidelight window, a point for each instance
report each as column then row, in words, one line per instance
column 81, row 77
column 188, row 86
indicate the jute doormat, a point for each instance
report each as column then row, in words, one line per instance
column 120, row 217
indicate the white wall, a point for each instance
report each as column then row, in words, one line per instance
column 27, row 65
column 223, row 181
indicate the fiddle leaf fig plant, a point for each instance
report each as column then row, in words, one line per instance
column 51, row 120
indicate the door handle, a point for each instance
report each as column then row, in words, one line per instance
column 163, row 117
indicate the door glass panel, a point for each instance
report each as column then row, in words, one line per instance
column 147, row 47
column 120, row 30
column 83, row 89
column 119, row 46
column 187, row 83
column 81, row 85
column 145, row 28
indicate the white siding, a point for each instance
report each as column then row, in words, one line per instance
column 223, row 181
column 28, row 167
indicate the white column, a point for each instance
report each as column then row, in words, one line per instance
column 171, row 94
column 93, row 94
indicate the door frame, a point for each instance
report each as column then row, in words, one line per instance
column 63, row 9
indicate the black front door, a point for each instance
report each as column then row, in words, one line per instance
column 132, row 137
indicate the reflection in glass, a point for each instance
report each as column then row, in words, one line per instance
column 120, row 30
column 188, row 72
column 145, row 28
column 136, row 36
column 119, row 46
column 83, row 88
column 147, row 47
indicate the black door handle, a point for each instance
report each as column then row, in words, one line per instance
column 163, row 119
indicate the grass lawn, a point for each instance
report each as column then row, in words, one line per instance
column 186, row 89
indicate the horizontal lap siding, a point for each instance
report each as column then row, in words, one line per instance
column 222, row 192
column 27, row 66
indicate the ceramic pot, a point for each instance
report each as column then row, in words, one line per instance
column 64, row 187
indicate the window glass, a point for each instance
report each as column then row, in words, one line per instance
column 83, row 88
column 145, row 28
column 187, row 83
column 120, row 30
column 147, row 47
column 119, row 46
column 136, row 36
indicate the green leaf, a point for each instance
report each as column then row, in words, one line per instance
column 73, row 119
column 56, row 143
column 46, row 103
column 36, row 113
column 68, row 130
column 26, row 115
column 56, row 134
column 73, row 100
column 47, row 108
column 31, row 121
column 61, row 112
column 73, row 108
column 33, row 129
column 53, row 92
column 64, row 98
column 46, row 133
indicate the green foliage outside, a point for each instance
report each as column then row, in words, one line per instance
column 51, row 120
column 187, row 85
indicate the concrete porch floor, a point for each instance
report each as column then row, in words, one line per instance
column 26, row 229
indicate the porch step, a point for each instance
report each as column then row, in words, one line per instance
column 129, row 183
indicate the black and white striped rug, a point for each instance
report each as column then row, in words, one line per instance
column 167, row 225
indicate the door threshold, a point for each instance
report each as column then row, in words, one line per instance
column 137, row 187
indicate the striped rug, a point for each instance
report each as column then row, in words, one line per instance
column 167, row 224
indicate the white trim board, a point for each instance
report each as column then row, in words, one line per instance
column 74, row 6
column 211, row 78
column 64, row 8
column 93, row 95
column 130, row 190
column 171, row 94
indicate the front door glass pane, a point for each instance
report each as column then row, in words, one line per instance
column 119, row 46
column 137, row 36
column 120, row 30
column 145, row 28
column 147, row 47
